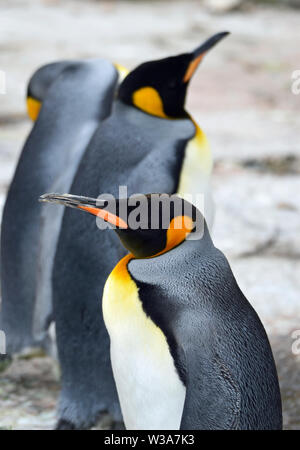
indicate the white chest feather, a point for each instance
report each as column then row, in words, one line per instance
column 150, row 391
column 194, row 183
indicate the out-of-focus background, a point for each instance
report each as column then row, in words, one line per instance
column 244, row 99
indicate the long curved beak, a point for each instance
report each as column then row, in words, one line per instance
column 199, row 53
column 88, row 204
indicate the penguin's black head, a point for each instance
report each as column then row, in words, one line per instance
column 159, row 87
column 39, row 84
column 147, row 225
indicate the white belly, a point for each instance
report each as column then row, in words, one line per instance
column 150, row 391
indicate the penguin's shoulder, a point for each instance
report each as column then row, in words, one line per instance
column 187, row 270
column 194, row 283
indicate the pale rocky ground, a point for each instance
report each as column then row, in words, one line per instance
column 242, row 98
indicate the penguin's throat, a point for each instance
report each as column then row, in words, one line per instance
column 179, row 228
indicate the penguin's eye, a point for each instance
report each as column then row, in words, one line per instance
column 172, row 84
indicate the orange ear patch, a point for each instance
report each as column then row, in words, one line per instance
column 148, row 99
column 179, row 227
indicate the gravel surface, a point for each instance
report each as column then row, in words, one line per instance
column 242, row 98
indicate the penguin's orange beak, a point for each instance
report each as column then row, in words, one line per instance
column 86, row 204
column 198, row 54
column 105, row 215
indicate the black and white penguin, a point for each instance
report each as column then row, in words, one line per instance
column 188, row 351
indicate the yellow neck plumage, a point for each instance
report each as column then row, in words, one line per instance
column 123, row 72
column 33, row 108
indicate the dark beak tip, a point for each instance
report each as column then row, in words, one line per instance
column 218, row 36
column 210, row 42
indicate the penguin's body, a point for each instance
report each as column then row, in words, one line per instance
column 188, row 350
column 221, row 372
column 73, row 105
column 142, row 145
column 80, row 270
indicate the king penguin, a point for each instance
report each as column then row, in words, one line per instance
column 188, row 351
column 149, row 142
column 75, row 96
